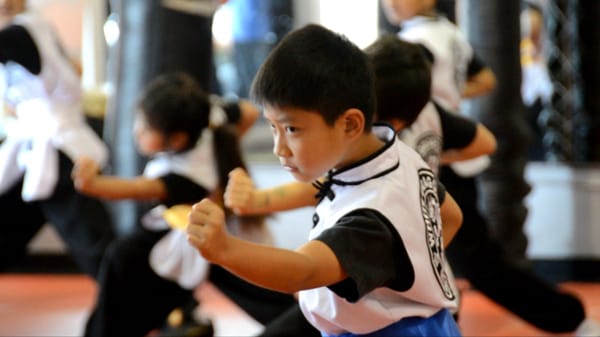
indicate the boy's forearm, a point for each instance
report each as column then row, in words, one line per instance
column 105, row 187
column 116, row 188
column 289, row 196
column 452, row 218
column 270, row 267
column 480, row 84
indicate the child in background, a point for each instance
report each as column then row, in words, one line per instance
column 536, row 85
column 153, row 270
column 43, row 91
column 458, row 73
column 374, row 260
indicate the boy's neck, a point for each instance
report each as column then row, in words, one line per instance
column 431, row 13
column 364, row 147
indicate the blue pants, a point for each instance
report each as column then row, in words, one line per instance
column 440, row 324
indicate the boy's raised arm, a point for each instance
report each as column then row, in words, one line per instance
column 312, row 265
column 88, row 180
column 243, row 198
column 484, row 143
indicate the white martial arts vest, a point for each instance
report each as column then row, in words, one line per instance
column 425, row 136
column 407, row 196
column 173, row 257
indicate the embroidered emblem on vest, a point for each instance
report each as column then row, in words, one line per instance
column 433, row 223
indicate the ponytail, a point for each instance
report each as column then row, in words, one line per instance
column 228, row 155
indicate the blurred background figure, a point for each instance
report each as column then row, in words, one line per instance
column 245, row 31
column 42, row 92
column 536, row 85
column 253, row 38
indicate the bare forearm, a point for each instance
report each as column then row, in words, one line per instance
column 290, row 196
column 269, row 267
column 484, row 143
column 312, row 265
column 480, row 84
column 115, row 188
column 282, row 198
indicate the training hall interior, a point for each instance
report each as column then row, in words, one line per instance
column 539, row 195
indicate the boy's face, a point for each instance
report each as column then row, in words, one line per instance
column 397, row 11
column 149, row 141
column 306, row 146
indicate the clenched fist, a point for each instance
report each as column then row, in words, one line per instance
column 239, row 192
column 206, row 229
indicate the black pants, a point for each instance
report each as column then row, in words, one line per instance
column 133, row 300
column 83, row 223
column 476, row 256
column 290, row 323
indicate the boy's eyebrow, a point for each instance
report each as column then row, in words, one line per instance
column 281, row 118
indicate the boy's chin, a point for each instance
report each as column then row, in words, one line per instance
column 303, row 177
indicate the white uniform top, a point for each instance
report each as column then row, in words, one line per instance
column 172, row 257
column 49, row 116
column 396, row 194
column 425, row 136
column 451, row 51
column 452, row 55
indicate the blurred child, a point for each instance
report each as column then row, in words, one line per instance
column 536, row 85
column 48, row 131
column 458, row 73
column 153, row 270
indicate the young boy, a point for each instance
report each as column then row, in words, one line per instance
column 402, row 81
column 374, row 260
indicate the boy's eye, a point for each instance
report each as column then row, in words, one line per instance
column 291, row 129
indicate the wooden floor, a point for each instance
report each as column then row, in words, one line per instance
column 57, row 305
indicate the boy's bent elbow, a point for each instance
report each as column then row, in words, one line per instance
column 452, row 218
column 486, row 140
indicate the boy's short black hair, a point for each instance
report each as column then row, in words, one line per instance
column 175, row 102
column 315, row 69
column 402, row 78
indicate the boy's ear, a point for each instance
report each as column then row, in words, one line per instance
column 354, row 122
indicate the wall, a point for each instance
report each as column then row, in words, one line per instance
column 564, row 211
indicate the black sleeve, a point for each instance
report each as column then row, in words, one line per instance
column 17, row 45
column 457, row 131
column 441, row 191
column 476, row 65
column 182, row 190
column 371, row 252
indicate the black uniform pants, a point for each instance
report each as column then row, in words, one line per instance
column 475, row 255
column 133, row 300
column 83, row 223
